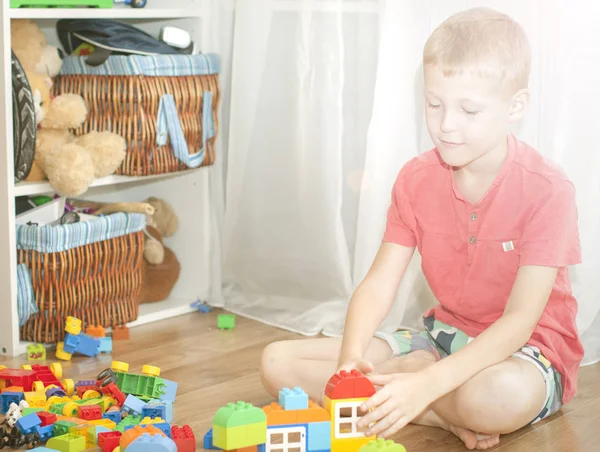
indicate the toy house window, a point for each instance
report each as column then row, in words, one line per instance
column 287, row 439
column 346, row 418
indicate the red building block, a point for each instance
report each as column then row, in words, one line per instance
column 45, row 375
column 349, row 385
column 90, row 412
column 46, row 418
column 82, row 389
column 18, row 377
column 108, row 441
column 184, row 438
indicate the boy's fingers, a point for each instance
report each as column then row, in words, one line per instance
column 375, row 400
column 380, row 379
column 376, row 415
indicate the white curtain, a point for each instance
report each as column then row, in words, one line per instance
column 326, row 107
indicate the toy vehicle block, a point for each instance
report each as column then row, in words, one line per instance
column 36, row 352
column 349, row 385
column 49, row 375
column 239, row 425
column 18, row 377
column 120, row 333
column 95, row 331
column 152, row 443
column 184, row 438
column 67, row 443
column 226, row 321
column 293, row 399
column 108, row 441
column 382, row 445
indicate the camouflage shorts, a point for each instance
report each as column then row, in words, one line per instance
column 443, row 340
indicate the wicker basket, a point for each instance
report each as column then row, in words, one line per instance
column 164, row 106
column 89, row 270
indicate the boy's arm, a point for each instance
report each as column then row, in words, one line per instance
column 510, row 332
column 373, row 299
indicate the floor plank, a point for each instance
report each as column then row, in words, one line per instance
column 214, row 367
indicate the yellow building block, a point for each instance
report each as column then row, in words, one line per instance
column 345, row 435
column 35, row 400
column 238, row 437
column 67, row 443
column 104, row 423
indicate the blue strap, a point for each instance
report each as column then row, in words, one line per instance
column 168, row 124
column 25, row 295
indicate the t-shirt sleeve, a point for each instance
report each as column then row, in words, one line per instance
column 551, row 237
column 401, row 223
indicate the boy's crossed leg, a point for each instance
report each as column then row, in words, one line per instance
column 498, row 400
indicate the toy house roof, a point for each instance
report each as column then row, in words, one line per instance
column 349, row 385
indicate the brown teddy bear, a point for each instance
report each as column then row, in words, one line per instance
column 69, row 163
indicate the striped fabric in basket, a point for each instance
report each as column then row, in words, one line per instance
column 91, row 270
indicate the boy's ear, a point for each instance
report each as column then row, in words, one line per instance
column 519, row 104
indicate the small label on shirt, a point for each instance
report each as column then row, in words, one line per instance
column 508, row 246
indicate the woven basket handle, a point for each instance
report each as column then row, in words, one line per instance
column 168, row 125
column 25, row 295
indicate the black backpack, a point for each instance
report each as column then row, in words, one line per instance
column 110, row 38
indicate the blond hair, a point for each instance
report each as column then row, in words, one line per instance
column 481, row 41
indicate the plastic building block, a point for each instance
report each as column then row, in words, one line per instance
column 28, row 424
column 226, row 321
column 169, row 391
column 108, row 441
column 114, row 416
column 239, row 425
column 73, row 325
column 201, row 306
column 105, row 345
column 184, row 438
column 382, row 445
column 36, row 352
column 152, row 443
column 208, row 441
column 46, row 418
column 18, row 377
column 90, row 412
column 293, row 399
column 67, row 443
column 349, row 385
column 10, row 397
column 154, row 410
column 319, row 435
column 276, row 415
column 135, row 432
column 133, row 405
column 95, row 331
column 120, row 333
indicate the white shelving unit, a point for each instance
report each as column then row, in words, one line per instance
column 191, row 193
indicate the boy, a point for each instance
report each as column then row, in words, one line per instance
column 496, row 226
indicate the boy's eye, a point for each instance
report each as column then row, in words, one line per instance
column 470, row 113
column 434, row 106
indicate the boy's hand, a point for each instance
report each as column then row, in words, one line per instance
column 401, row 399
column 359, row 364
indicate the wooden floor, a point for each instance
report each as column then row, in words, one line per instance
column 215, row 367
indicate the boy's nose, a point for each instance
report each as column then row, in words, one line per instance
column 448, row 123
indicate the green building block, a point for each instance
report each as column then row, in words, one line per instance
column 67, row 443
column 128, row 420
column 226, row 321
column 57, row 408
column 238, row 425
column 60, row 3
column 30, row 410
column 140, row 385
column 36, row 352
column 382, row 445
column 62, row 427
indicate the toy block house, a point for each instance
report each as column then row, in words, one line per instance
column 297, row 424
column 239, row 426
column 344, row 393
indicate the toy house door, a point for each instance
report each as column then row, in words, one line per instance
column 286, row 439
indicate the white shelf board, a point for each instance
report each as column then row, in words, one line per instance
column 333, row 6
column 162, row 310
column 26, row 188
column 119, row 11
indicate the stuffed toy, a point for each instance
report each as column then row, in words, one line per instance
column 69, row 163
column 161, row 268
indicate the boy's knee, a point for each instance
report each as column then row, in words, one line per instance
column 498, row 401
column 273, row 357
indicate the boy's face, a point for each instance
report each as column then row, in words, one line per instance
column 467, row 115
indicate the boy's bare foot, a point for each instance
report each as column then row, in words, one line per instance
column 471, row 439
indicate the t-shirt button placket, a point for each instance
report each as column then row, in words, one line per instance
column 472, row 240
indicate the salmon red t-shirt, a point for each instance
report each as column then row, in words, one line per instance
column 470, row 253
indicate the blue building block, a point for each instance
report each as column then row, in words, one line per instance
column 114, row 416
column 43, row 449
column 208, row 441
column 46, row 432
column 88, row 345
column 154, row 443
column 293, row 399
column 319, row 436
column 9, row 397
column 153, row 410
column 71, row 343
column 170, row 391
column 105, row 345
column 27, row 424
column 133, row 405
column 165, row 427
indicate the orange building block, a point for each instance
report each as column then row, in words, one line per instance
column 120, row 333
column 95, row 331
column 276, row 415
column 132, row 434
